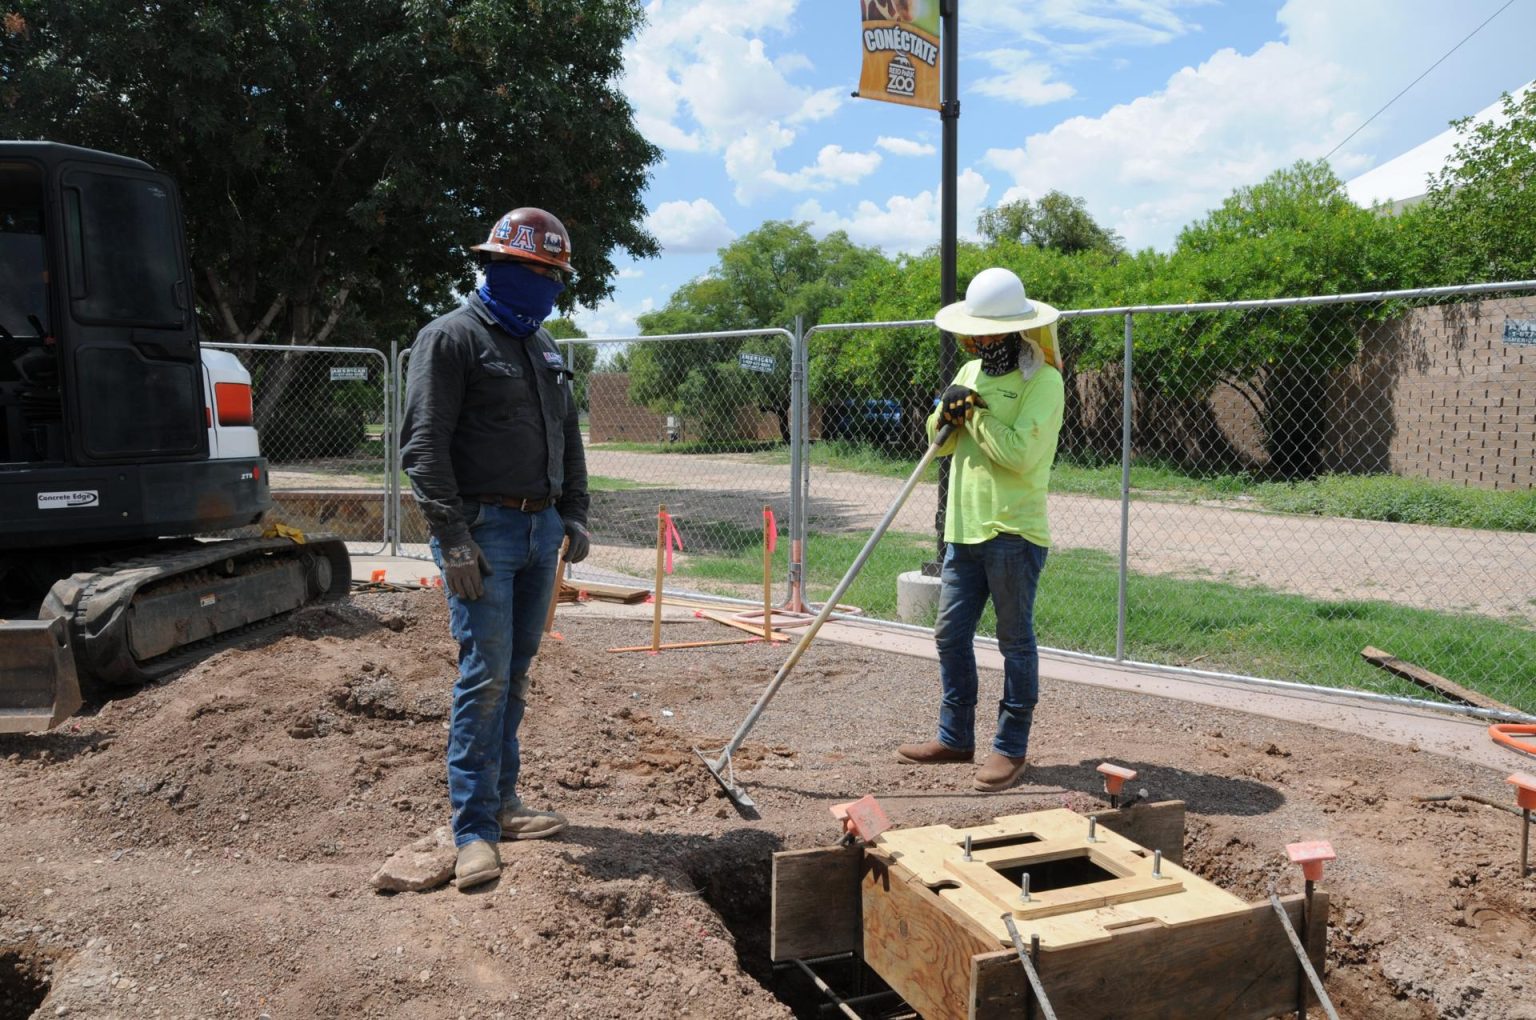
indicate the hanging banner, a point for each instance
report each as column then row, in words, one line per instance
column 900, row 39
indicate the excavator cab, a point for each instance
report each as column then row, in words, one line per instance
column 107, row 486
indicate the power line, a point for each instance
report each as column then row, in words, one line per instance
column 1420, row 78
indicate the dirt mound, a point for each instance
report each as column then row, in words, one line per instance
column 204, row 847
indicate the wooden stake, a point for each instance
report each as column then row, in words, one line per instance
column 687, row 644
column 661, row 562
column 554, row 596
column 767, row 578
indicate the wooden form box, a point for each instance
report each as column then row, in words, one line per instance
column 1116, row 942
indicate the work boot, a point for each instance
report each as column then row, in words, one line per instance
column 520, row 822
column 999, row 772
column 931, row 752
column 478, row 864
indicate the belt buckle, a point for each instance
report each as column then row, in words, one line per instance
column 523, row 505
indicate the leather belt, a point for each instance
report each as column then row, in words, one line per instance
column 531, row 506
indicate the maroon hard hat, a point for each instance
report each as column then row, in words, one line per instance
column 532, row 235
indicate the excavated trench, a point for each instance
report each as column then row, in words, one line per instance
column 742, row 895
column 25, row 978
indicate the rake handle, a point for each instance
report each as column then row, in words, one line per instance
column 831, row 604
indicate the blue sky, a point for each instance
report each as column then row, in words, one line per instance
column 1152, row 111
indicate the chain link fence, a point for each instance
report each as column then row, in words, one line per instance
column 323, row 417
column 698, row 423
column 1263, row 489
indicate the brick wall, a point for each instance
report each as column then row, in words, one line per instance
column 1438, row 394
column 1435, row 393
column 612, row 417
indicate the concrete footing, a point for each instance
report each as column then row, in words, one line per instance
column 917, row 598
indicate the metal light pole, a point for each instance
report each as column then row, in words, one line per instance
column 949, row 116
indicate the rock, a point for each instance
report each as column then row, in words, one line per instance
column 424, row 864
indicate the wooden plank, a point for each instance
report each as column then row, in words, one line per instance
column 613, row 592
column 917, row 942
column 1088, row 912
column 729, row 620
column 815, row 907
column 1231, row 968
column 1432, row 681
column 686, row 644
column 1158, row 826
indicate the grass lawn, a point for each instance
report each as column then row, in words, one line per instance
column 1204, row 624
column 1363, row 497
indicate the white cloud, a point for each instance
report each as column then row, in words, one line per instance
column 631, row 273
column 904, row 146
column 905, row 223
column 612, row 319
column 1024, row 80
column 1060, row 32
column 750, row 161
column 1080, row 26
column 696, row 226
column 701, row 80
column 1150, row 166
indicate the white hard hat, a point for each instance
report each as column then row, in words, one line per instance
column 995, row 302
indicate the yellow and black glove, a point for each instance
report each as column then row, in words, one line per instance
column 958, row 404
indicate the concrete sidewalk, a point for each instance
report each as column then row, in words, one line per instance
column 1438, row 732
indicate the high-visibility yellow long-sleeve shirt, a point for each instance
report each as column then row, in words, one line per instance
column 1002, row 458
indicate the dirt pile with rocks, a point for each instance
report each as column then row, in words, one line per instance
column 204, row 847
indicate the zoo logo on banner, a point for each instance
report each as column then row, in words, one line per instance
column 901, row 52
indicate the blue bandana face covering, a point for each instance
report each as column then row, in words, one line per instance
column 519, row 298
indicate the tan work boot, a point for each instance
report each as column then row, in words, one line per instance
column 931, row 752
column 478, row 864
column 999, row 772
column 521, row 822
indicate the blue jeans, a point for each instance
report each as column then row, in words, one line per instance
column 498, row 637
column 1007, row 567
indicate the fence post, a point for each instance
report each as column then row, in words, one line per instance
column 392, row 451
column 798, row 419
column 1125, row 493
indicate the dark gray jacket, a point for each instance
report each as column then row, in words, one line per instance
column 487, row 414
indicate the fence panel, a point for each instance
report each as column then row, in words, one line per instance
column 323, row 415
column 700, row 423
column 1309, row 480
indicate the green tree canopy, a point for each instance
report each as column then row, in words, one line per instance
column 1058, row 221
column 335, row 156
column 581, row 358
column 762, row 279
column 1296, row 233
column 1479, row 219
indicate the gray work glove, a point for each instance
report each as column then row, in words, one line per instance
column 463, row 567
column 580, row 541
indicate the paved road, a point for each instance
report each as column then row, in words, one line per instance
column 1456, row 569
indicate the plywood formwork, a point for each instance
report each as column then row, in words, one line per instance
column 1116, row 941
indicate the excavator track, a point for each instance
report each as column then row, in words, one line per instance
column 136, row 620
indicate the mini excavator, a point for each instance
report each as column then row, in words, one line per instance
column 126, row 447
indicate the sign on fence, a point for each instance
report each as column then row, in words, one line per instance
column 349, row 373
column 763, row 363
column 1520, row 331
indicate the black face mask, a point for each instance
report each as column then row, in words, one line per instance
column 1001, row 356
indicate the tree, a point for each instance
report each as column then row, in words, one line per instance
column 1294, row 234
column 1479, row 218
column 903, row 364
column 335, row 156
column 1057, row 221
column 763, row 279
column 580, row 358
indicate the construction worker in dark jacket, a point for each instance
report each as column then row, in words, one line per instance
column 491, row 445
